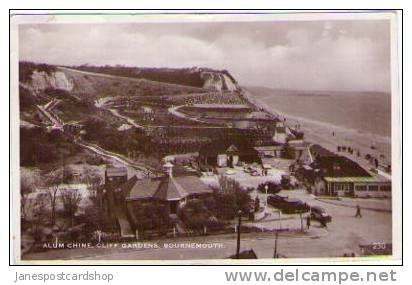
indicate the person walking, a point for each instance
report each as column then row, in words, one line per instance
column 308, row 222
column 358, row 212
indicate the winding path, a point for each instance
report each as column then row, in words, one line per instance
column 108, row 154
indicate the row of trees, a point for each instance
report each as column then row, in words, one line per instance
column 41, row 196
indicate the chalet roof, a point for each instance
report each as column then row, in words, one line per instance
column 338, row 166
column 165, row 188
column 219, row 147
column 319, row 151
column 116, row 171
column 232, row 148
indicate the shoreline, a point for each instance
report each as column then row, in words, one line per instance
column 331, row 136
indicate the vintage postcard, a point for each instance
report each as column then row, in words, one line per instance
column 206, row 138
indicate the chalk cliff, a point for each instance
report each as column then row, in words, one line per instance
column 219, row 81
column 56, row 80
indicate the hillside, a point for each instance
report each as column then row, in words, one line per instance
column 139, row 113
column 195, row 77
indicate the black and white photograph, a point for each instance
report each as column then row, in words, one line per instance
column 206, row 138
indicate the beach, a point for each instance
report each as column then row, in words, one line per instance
column 331, row 136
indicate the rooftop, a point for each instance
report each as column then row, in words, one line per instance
column 338, row 166
column 373, row 179
column 220, row 147
column 165, row 188
column 319, row 151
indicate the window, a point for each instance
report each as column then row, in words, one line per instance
column 385, row 188
column 373, row 187
column 360, row 187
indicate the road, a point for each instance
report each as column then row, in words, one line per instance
column 342, row 236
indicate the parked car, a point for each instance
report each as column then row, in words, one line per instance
column 276, row 201
column 287, row 205
column 319, row 214
column 295, row 206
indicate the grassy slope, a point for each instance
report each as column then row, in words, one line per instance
column 95, row 86
column 102, row 126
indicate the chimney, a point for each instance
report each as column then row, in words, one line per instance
column 168, row 169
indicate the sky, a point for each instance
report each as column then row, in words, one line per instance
column 339, row 55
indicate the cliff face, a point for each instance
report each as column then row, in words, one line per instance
column 218, row 81
column 56, row 80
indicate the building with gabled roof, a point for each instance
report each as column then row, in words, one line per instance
column 332, row 174
column 167, row 189
column 223, row 154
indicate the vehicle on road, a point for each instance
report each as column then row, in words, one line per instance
column 276, row 201
column 288, row 205
column 319, row 214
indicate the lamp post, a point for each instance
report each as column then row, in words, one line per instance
column 239, row 214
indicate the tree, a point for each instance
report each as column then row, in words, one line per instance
column 71, row 200
column 39, row 218
column 230, row 198
column 94, row 185
column 52, row 182
column 26, row 187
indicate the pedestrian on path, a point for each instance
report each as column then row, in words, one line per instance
column 358, row 212
column 308, row 222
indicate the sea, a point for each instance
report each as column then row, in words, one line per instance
column 365, row 112
column 363, row 117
